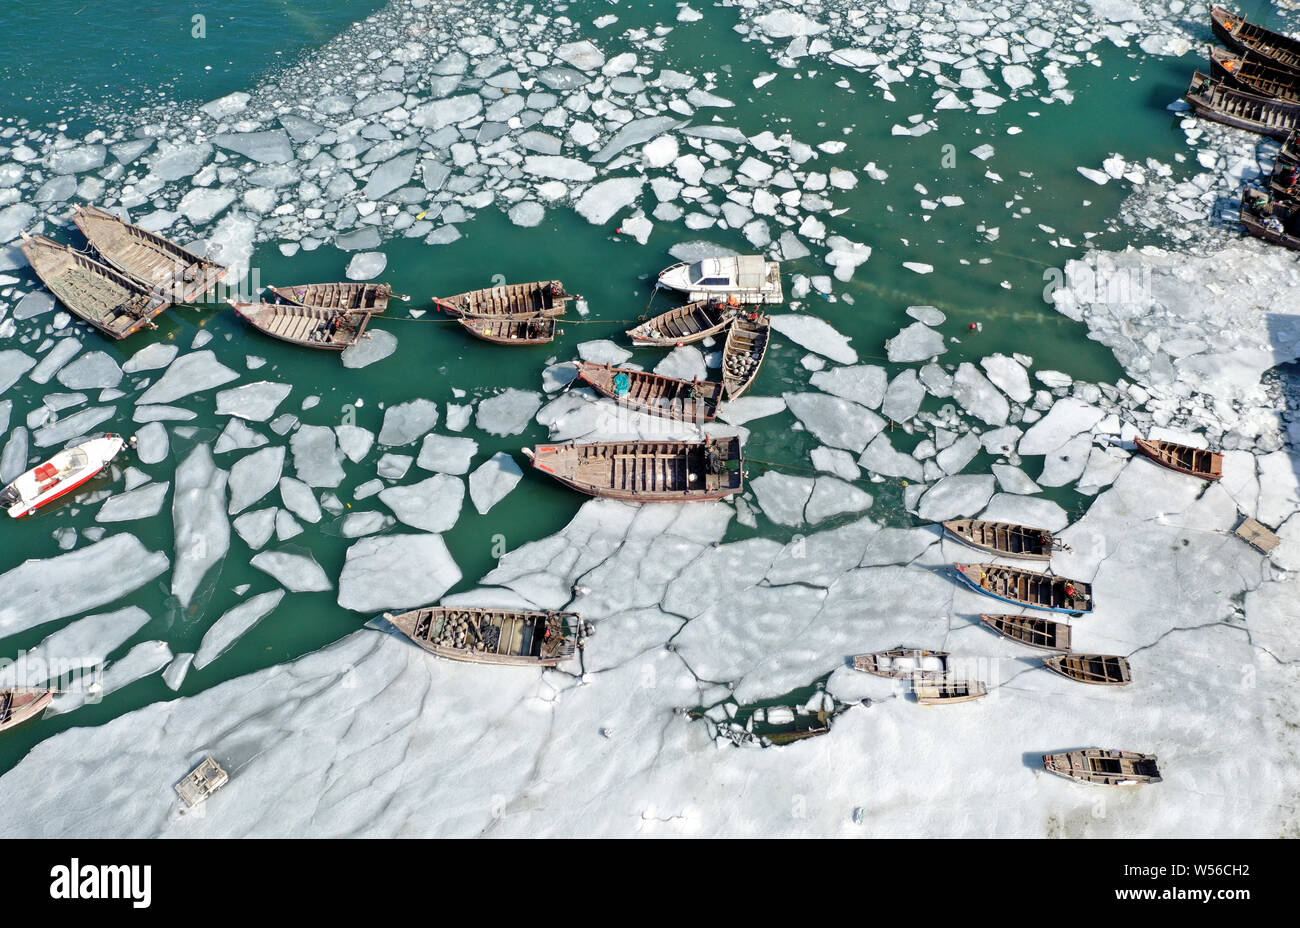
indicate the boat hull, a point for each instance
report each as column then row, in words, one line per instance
column 974, row 584
column 19, row 704
column 37, row 488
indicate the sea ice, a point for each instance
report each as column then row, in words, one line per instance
column 432, row 504
column 297, row 573
column 317, row 460
column 366, row 265
column 299, row 499
column 834, row 421
column 202, row 531
column 233, row 624
column 916, row 342
column 396, row 571
column 256, row 402
column 507, row 413
column 956, row 496
column 140, row 503
column 188, row 374
column 375, row 345
column 816, row 335
column 493, row 480
column 974, row 393
column 405, row 422
column 446, row 454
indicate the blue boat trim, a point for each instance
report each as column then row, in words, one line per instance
column 1016, row 602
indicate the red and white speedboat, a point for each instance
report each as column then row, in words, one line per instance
column 60, row 475
column 20, row 703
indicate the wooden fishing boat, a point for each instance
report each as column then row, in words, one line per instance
column 1005, row 538
column 492, row 636
column 547, row 297
column 1101, row 669
column 902, row 663
column 744, row 351
column 1269, row 219
column 1284, row 181
column 510, row 330
column 1028, row 588
column 946, row 692
column 20, row 703
column 372, row 297
column 60, row 475
column 1047, row 634
column 161, row 265
column 687, row 400
column 309, row 326
column 748, row 278
column 1242, row 36
column 646, row 471
column 1213, row 100
column 1254, row 75
column 1107, row 767
column 109, row 300
column 693, row 322
column 1197, row 462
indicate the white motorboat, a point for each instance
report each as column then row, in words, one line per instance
column 60, row 475
column 748, row 278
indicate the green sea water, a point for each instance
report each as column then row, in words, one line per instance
column 1119, row 106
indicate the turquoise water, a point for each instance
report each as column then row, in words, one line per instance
column 1118, row 107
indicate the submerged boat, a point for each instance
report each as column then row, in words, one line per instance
column 646, row 471
column 1047, row 634
column 493, row 636
column 1107, row 767
column 510, row 330
column 161, row 265
column 106, row 298
column 1005, row 538
column 60, row 475
column 656, row 394
column 20, row 703
column 372, row 297
column 749, row 278
column 1270, row 219
column 1241, row 110
column 1242, row 36
column 931, row 692
column 309, row 326
column 903, row 662
column 1254, row 75
column 1028, row 587
column 743, row 353
column 1101, row 669
column 547, row 297
column 682, row 325
column 1196, row 462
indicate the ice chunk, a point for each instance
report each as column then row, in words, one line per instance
column 375, row 345
column 845, row 256
column 1014, row 480
column 558, row 167
column 684, row 363
column 356, row 524
column 316, row 457
column 1025, row 510
column 94, row 370
column 1065, row 464
column 957, row 455
column 396, row 571
column 297, row 573
column 863, row 383
column 270, row 147
column 354, row 441
column 816, row 335
column 233, row 625
column 63, row 351
column 236, row 436
column 42, row 590
column 152, row 444
column 834, row 421
column 432, row 504
column 299, row 499
column 750, row 407
column 255, row 401
column 13, row 364
column 140, row 503
column 176, row 671
column 366, row 265
column 188, row 374
column 202, row 530
column 253, row 476
column 1008, row 376
column 256, row 527
column 832, row 497
column 405, row 422
column 493, row 480
column 974, row 393
column 903, row 398
column 880, row 457
column 602, row 200
column 916, row 342
column 80, row 645
column 507, row 413
column 382, row 181
column 150, row 358
column 74, row 426
column 147, row 657
column 953, row 497
column 1067, row 418
column 782, row 497
column 603, row 352
column 836, row 461
column 446, row 454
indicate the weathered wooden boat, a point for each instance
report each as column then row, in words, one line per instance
column 202, row 782
column 547, row 297
column 656, row 394
column 1239, row 109
column 1028, row 587
column 1197, row 462
column 1005, row 538
column 510, row 330
column 60, row 475
column 901, row 663
column 1047, row 634
column 20, row 703
column 743, row 353
column 1100, row 669
column 1107, row 767
column 931, row 692
column 1284, row 181
column 749, row 278
column 309, row 326
column 161, row 265
column 1242, row 36
column 646, row 471
column 106, row 298
column 693, row 322
column 492, row 636
column 372, row 297
column 1254, row 75
column 1270, row 219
